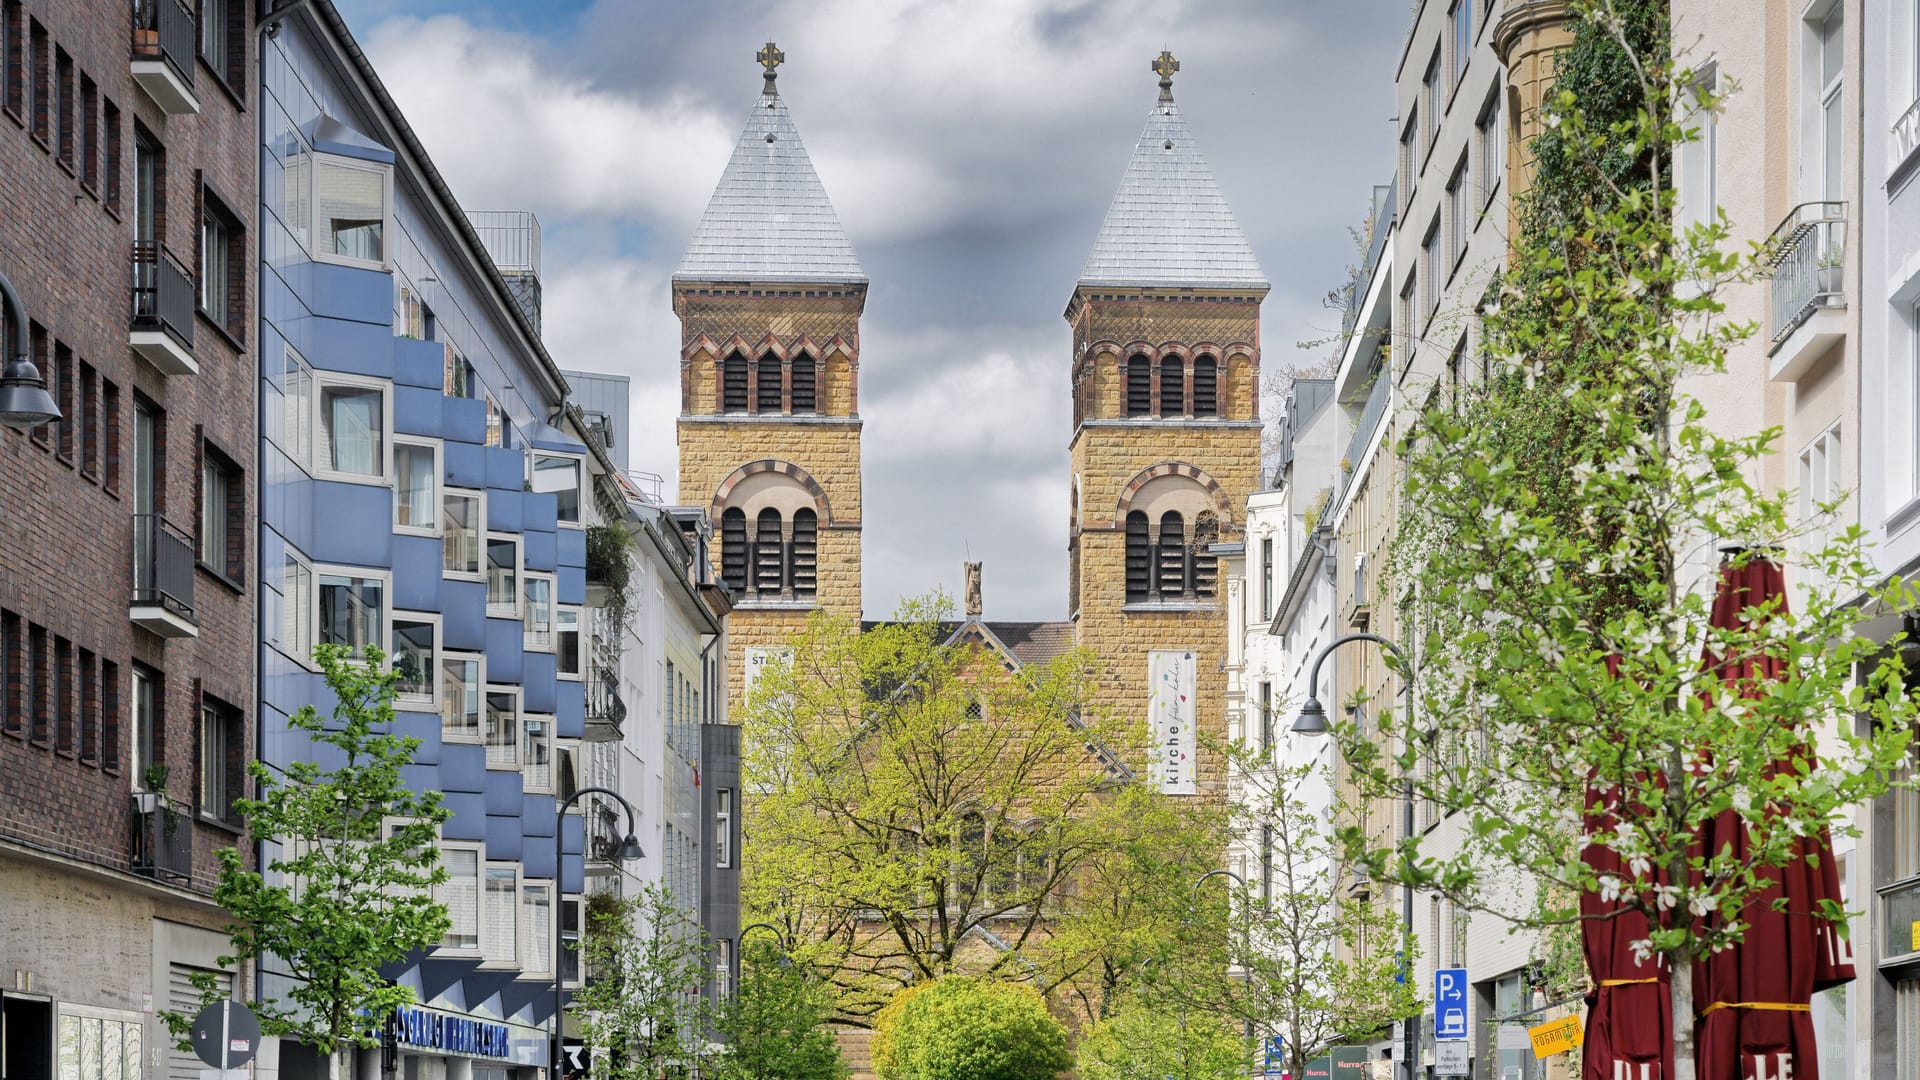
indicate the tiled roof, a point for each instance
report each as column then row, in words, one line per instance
column 1029, row 642
column 769, row 218
column 1169, row 224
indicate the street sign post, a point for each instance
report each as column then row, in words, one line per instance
column 1276, row 1055
column 1449, row 1004
column 225, row 1026
column 1450, row 1058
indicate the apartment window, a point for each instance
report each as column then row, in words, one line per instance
column 416, row 486
column 296, row 609
column 297, row 417
column 460, row 892
column 566, row 642
column 536, row 754
column 1460, row 210
column 109, row 716
column 353, row 611
column 1832, row 120
column 503, row 576
column 354, row 429
column 60, row 380
column 723, row 828
column 222, row 270
column 1266, row 579
column 222, row 40
column 42, row 78
column 110, row 189
column 1699, row 159
column 537, row 615
column 351, row 202
column 89, row 133
column 145, row 746
column 1460, row 23
column 223, row 507
column 12, row 663
column 1430, row 268
column 149, row 443
column 1430, row 98
column 416, row 658
column 149, row 186
column 33, row 689
column 496, row 424
column 536, row 929
column 572, row 918
column 559, row 475
column 63, row 116
column 460, row 690
column 1266, row 717
column 501, row 732
column 110, row 420
column 501, row 914
column 1491, row 140
column 1409, row 157
column 89, row 705
column 1906, row 1028
column 222, row 761
column 1820, row 473
column 723, row 969
column 460, row 524
column 89, row 421
column 14, row 62
column 1460, row 920
column 66, row 729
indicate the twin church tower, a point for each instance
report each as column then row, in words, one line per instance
column 1164, row 448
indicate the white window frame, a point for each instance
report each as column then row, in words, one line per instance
column 315, row 160
column 479, row 496
column 531, row 639
column 1459, row 52
column 415, row 702
column 299, row 407
column 130, row 1023
column 323, row 470
column 385, row 577
column 579, row 904
column 553, row 764
column 580, row 482
column 479, row 660
column 432, row 528
column 1700, row 195
column 487, row 693
column 579, row 631
column 1820, row 469
column 1491, row 135
column 301, row 619
column 571, row 747
column 495, row 953
column 1459, row 208
column 498, row 610
column 387, row 826
column 536, row 967
column 723, row 800
column 722, row 969
column 479, row 852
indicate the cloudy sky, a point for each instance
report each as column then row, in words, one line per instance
column 971, row 148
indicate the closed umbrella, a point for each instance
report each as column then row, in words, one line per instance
column 1754, row 1000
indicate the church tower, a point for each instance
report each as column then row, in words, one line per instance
column 769, row 297
column 1166, row 439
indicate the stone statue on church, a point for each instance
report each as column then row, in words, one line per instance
column 973, row 590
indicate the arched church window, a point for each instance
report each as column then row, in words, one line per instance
column 1205, row 573
column 733, row 549
column 1139, row 386
column 1206, row 386
column 1171, row 521
column 804, row 566
column 733, row 384
column 1170, row 562
column 805, row 379
column 1173, row 387
column 769, row 554
column 768, row 400
column 1139, row 558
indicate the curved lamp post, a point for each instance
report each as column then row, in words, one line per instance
column 780, row 940
column 1313, row 721
column 1246, row 936
column 24, row 401
column 629, row 849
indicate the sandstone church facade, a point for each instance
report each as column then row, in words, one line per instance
column 1164, row 446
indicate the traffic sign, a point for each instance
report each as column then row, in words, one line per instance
column 1450, row 1058
column 1449, row 1003
column 226, row 1024
column 1276, row 1048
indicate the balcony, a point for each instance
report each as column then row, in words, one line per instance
column 164, row 40
column 162, row 837
column 162, row 578
column 162, row 329
column 1903, row 140
column 606, row 711
column 1806, row 313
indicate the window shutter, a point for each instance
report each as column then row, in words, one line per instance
column 1170, row 568
column 733, row 549
column 769, row 563
column 183, row 998
column 1173, row 388
column 768, row 400
column 1139, row 387
column 1139, row 557
column 805, row 378
column 733, row 382
column 1206, row 387
column 806, row 533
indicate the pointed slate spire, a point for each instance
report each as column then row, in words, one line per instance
column 769, row 218
column 1169, row 224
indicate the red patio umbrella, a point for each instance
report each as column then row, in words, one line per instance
column 1752, row 1001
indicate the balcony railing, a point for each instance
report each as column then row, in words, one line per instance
column 1807, row 254
column 162, row 577
column 1376, row 407
column 606, row 710
column 162, row 837
column 1905, row 136
column 165, row 38
column 162, row 292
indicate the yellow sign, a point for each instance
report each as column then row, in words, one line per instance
column 1556, row 1036
column 1914, row 930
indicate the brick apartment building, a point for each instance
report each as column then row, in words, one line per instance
column 126, row 606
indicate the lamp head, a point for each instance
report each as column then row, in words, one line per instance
column 629, row 849
column 1312, row 719
column 24, row 401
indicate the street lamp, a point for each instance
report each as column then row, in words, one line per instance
column 628, row 850
column 1313, row 721
column 786, row 960
column 24, row 401
column 1246, row 937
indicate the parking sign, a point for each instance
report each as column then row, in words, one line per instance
column 1450, row 1003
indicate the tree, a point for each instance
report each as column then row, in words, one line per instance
column 352, row 864
column 640, row 1013
column 775, row 1024
column 1557, row 535
column 963, row 1028
column 923, row 809
column 1140, row 1042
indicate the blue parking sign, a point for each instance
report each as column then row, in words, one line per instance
column 1276, row 1054
column 1450, row 1003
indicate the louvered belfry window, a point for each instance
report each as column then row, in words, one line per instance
column 768, row 400
column 1139, row 558
column 769, row 555
column 805, row 378
column 733, row 549
column 1206, row 387
column 804, row 563
column 1173, row 387
column 1170, row 562
column 1139, row 386
column 733, row 384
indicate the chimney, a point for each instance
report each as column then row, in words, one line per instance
column 512, row 240
column 973, row 590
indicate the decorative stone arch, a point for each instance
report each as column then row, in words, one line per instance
column 1156, row 483
column 1172, row 348
column 754, row 476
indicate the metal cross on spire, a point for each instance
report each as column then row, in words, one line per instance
column 1164, row 66
column 770, row 57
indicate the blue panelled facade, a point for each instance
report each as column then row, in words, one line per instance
column 414, row 497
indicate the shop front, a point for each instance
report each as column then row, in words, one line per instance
column 436, row 1044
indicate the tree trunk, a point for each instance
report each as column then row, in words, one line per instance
column 1682, row 997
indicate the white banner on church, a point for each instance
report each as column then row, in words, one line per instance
column 759, row 659
column 1171, row 679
